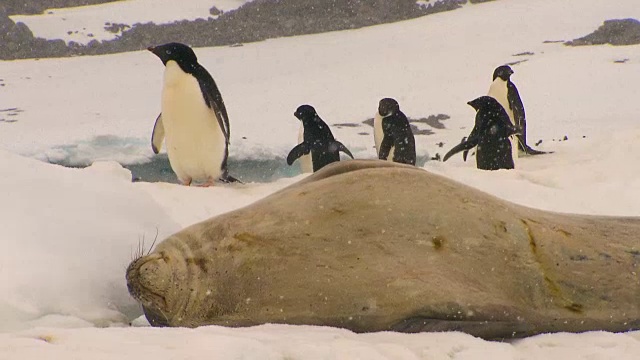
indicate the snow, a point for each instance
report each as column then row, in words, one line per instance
column 305, row 342
column 68, row 234
column 85, row 23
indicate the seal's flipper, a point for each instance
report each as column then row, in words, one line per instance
column 297, row 151
column 157, row 136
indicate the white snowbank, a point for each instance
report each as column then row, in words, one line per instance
column 68, row 236
column 305, row 342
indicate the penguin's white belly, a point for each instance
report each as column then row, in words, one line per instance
column 195, row 142
column 498, row 90
column 378, row 135
column 306, row 164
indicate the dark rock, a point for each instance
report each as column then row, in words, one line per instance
column 526, row 53
column 369, row 122
column 435, row 121
column 254, row 21
column 615, row 32
column 513, row 63
column 215, row 11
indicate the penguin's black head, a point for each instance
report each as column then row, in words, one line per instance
column 388, row 106
column 503, row 72
column 305, row 112
column 180, row 53
column 484, row 103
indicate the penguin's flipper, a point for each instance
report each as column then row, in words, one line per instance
column 343, row 148
column 213, row 99
column 297, row 151
column 466, row 152
column 519, row 118
column 463, row 146
column 385, row 147
column 157, row 136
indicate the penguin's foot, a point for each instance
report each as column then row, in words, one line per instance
column 185, row 182
column 209, row 182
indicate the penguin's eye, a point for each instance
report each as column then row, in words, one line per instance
column 168, row 52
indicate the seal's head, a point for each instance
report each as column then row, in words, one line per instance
column 151, row 280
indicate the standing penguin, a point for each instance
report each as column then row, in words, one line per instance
column 490, row 134
column 318, row 140
column 506, row 92
column 396, row 139
column 193, row 120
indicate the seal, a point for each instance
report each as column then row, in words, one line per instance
column 341, row 248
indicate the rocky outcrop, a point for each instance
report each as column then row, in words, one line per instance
column 615, row 32
column 17, row 41
column 254, row 21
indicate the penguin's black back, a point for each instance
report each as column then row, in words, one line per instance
column 492, row 130
column 319, row 137
column 397, row 127
column 317, row 140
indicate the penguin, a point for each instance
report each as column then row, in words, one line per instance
column 318, row 140
column 490, row 134
column 506, row 92
column 193, row 120
column 397, row 143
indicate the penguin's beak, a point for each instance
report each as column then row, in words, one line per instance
column 152, row 49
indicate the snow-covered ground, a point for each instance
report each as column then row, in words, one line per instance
column 86, row 23
column 68, row 234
